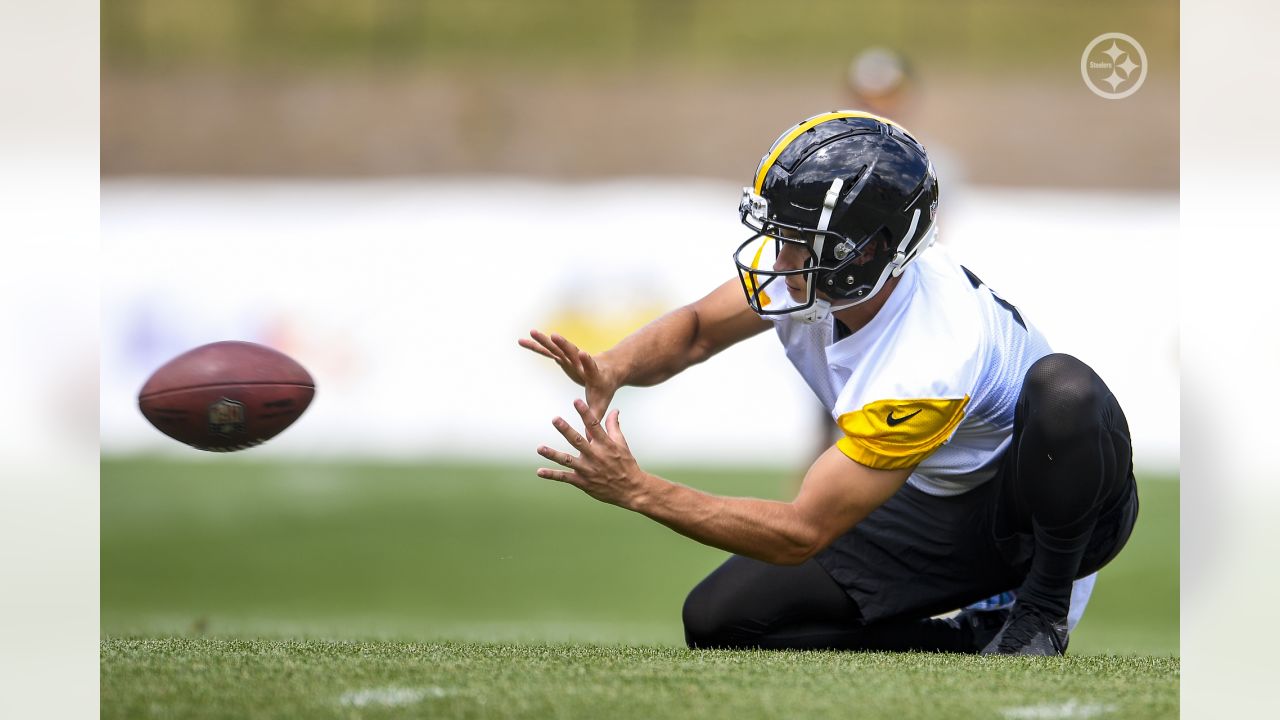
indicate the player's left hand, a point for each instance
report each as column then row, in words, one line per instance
column 604, row 467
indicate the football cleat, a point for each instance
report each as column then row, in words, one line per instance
column 978, row 627
column 1029, row 632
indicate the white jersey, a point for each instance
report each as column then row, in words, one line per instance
column 930, row 382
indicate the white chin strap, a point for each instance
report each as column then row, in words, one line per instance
column 824, row 220
column 819, row 311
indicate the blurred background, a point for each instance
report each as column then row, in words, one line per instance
column 393, row 192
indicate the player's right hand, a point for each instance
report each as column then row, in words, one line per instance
column 589, row 371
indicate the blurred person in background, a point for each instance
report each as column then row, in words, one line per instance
column 880, row 80
column 883, row 82
column 971, row 459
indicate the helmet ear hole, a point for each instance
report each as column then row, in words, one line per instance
column 880, row 243
column 885, row 238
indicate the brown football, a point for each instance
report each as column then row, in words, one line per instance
column 226, row 396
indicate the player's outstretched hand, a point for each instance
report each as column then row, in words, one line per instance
column 604, row 467
column 581, row 367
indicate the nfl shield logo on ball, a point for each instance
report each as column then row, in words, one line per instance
column 226, row 417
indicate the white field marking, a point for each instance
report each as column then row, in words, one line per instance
column 1068, row 709
column 391, row 696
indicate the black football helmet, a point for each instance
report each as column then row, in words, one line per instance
column 855, row 190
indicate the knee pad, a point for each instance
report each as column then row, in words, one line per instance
column 1063, row 397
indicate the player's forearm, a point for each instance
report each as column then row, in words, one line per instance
column 684, row 337
column 657, row 351
column 765, row 530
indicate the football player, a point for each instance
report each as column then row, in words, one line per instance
column 971, row 460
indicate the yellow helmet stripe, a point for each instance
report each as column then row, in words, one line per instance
column 752, row 283
column 814, row 121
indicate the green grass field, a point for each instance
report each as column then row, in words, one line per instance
column 241, row 588
column 185, row 678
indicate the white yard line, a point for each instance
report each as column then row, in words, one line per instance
column 1068, row 709
column 391, row 696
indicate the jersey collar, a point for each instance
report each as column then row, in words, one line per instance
column 850, row 347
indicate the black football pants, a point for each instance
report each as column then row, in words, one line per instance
column 1062, row 505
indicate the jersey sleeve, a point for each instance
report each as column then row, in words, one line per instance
column 899, row 433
